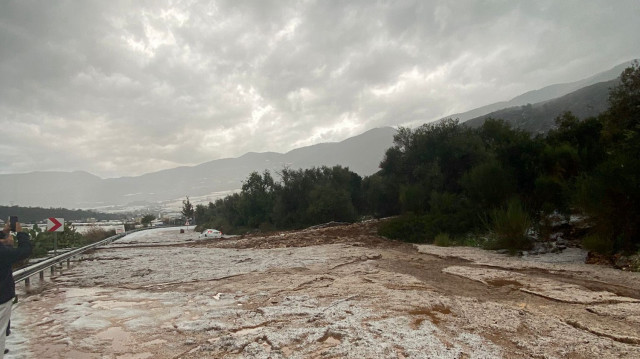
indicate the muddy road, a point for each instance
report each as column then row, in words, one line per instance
column 340, row 292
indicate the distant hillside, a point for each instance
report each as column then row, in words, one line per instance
column 37, row 214
column 540, row 117
column 362, row 154
column 543, row 94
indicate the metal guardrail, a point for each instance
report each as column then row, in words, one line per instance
column 40, row 267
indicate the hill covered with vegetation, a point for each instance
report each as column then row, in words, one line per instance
column 586, row 102
column 453, row 183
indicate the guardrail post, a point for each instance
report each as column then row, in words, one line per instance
column 27, row 282
column 53, row 270
column 68, row 263
column 41, row 275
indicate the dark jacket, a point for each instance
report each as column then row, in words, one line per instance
column 8, row 256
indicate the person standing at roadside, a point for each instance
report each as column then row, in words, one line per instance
column 8, row 256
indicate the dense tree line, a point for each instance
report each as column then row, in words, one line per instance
column 38, row 214
column 451, row 182
column 302, row 198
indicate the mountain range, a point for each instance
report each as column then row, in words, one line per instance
column 540, row 117
column 544, row 94
column 533, row 111
column 362, row 154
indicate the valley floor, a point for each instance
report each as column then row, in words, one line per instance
column 338, row 292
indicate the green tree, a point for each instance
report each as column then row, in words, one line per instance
column 187, row 208
column 42, row 241
column 430, row 159
column 451, row 213
column 329, row 203
column 147, row 219
column 201, row 213
column 611, row 193
column 69, row 237
column 316, row 195
column 380, row 195
column 257, row 199
column 488, row 185
column 516, row 151
column 584, row 136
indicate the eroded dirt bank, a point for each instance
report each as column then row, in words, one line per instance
column 339, row 292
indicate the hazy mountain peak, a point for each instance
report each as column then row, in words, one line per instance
column 79, row 189
column 543, row 94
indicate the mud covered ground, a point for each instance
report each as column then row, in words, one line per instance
column 339, row 292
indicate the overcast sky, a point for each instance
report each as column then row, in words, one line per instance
column 121, row 88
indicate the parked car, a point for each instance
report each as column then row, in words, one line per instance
column 211, row 233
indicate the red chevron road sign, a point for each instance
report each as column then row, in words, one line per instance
column 55, row 224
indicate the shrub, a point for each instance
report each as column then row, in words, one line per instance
column 407, row 228
column 450, row 213
column 95, row 234
column 509, row 228
column 470, row 240
column 635, row 263
column 597, row 243
column 443, row 240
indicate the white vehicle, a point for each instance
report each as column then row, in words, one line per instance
column 211, row 233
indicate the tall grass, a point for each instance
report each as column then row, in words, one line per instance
column 509, row 226
column 443, row 240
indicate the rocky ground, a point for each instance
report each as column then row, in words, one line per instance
column 338, row 292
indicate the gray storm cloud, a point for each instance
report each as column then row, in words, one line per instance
column 124, row 88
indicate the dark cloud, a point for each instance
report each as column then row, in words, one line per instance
column 121, row 88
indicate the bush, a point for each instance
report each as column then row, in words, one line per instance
column 96, row 234
column 509, row 227
column 407, row 228
column 470, row 240
column 635, row 263
column 443, row 240
column 450, row 213
column 597, row 243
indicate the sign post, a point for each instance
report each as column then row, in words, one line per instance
column 55, row 225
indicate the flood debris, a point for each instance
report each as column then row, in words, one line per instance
column 334, row 292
